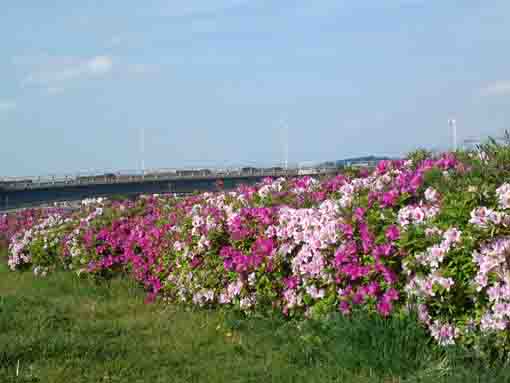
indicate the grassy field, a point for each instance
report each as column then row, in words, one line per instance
column 62, row 329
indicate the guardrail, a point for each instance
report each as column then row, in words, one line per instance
column 133, row 173
column 22, row 183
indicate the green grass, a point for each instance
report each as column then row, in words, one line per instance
column 62, row 329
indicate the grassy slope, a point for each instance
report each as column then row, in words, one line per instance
column 61, row 329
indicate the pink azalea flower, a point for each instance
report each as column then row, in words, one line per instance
column 392, row 233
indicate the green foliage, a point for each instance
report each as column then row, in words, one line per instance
column 59, row 329
column 391, row 346
column 419, row 155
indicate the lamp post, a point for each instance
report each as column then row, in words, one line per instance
column 142, row 152
column 453, row 125
column 285, row 144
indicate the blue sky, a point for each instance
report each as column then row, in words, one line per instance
column 212, row 82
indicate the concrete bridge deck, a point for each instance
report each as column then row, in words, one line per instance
column 21, row 183
column 19, row 195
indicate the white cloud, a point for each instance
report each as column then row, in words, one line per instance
column 100, row 65
column 498, row 88
column 53, row 72
column 7, row 106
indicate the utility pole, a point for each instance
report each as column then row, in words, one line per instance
column 285, row 142
column 286, row 132
column 142, row 151
column 453, row 125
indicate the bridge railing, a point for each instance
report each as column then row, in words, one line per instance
column 91, row 178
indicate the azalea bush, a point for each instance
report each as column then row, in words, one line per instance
column 427, row 236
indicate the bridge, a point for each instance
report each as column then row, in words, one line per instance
column 23, row 192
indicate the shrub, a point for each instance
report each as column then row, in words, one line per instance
column 427, row 236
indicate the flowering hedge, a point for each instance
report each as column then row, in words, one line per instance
column 425, row 235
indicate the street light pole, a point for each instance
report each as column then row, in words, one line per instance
column 286, row 133
column 285, row 142
column 142, row 151
column 453, row 125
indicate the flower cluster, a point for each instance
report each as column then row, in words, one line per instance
column 416, row 214
column 411, row 234
column 493, row 277
column 503, row 193
column 21, row 248
column 484, row 217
